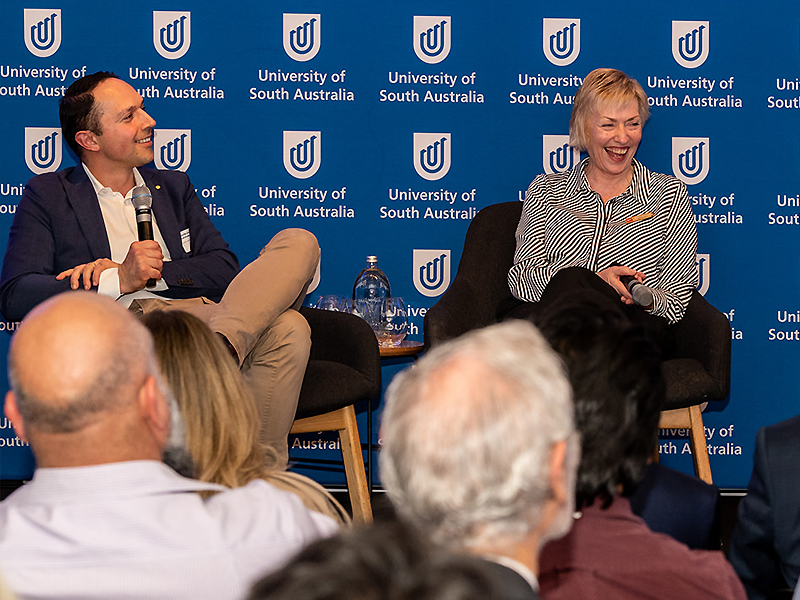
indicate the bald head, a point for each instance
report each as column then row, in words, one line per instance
column 77, row 360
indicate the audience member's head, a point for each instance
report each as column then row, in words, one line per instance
column 478, row 445
column 85, row 386
column 618, row 392
column 219, row 414
column 381, row 562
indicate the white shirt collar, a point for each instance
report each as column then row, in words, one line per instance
column 99, row 188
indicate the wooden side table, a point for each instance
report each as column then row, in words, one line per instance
column 405, row 349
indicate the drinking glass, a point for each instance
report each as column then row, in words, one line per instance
column 331, row 302
column 369, row 310
column 393, row 326
column 347, row 304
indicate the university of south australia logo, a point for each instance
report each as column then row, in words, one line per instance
column 561, row 40
column 557, row 155
column 43, row 149
column 703, row 273
column 690, row 43
column 42, row 30
column 301, row 36
column 302, row 153
column 432, row 155
column 690, row 159
column 173, row 149
column 432, row 38
column 431, row 271
column 172, row 33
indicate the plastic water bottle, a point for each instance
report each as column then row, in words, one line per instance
column 370, row 291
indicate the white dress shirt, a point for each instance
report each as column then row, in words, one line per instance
column 137, row 530
column 119, row 216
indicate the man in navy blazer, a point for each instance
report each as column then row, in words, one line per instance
column 765, row 544
column 77, row 229
column 60, row 225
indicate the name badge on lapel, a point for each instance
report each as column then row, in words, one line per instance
column 186, row 241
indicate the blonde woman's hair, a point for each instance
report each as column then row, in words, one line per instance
column 603, row 87
column 220, row 417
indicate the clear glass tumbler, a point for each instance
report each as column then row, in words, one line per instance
column 393, row 326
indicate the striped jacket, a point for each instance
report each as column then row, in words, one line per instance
column 649, row 227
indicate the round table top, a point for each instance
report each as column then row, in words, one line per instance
column 406, row 348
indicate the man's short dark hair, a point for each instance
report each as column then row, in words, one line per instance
column 618, row 391
column 77, row 110
column 389, row 560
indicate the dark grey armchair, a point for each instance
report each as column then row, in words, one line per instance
column 698, row 372
column 344, row 369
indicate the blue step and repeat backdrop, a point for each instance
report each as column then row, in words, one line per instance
column 384, row 127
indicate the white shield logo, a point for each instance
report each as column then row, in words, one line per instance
column 432, row 155
column 561, row 40
column 302, row 153
column 690, row 43
column 703, row 273
column 431, row 271
column 557, row 155
column 432, row 38
column 42, row 30
column 43, row 149
column 690, row 159
column 173, row 149
column 301, row 36
column 172, row 32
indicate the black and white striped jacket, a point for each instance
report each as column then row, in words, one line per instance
column 566, row 224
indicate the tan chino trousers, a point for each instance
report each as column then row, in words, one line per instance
column 258, row 315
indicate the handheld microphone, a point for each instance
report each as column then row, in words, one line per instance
column 142, row 204
column 642, row 295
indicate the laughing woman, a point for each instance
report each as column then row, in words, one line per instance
column 589, row 230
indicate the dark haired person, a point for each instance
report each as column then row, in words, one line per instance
column 76, row 229
column 618, row 390
column 386, row 560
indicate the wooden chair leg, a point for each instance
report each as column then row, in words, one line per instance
column 344, row 421
column 702, row 466
column 354, row 468
column 692, row 419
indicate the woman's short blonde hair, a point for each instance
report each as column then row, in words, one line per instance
column 603, row 87
column 220, row 416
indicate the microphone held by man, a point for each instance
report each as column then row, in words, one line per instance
column 142, row 203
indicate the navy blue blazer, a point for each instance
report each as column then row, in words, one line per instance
column 58, row 225
column 765, row 544
column 682, row 506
